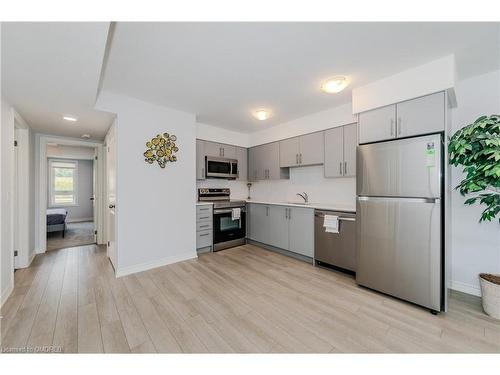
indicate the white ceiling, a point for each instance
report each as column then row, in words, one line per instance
column 221, row 71
column 52, row 69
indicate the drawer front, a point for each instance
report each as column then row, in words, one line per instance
column 203, row 239
column 203, row 225
column 204, row 209
column 204, row 216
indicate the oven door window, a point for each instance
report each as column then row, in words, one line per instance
column 226, row 223
column 218, row 167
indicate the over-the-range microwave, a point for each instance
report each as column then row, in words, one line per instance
column 221, row 168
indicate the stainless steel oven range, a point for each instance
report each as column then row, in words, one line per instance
column 229, row 217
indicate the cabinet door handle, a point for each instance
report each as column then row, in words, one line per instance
column 345, row 168
column 204, row 226
column 202, row 172
column 204, row 234
column 296, row 158
column 340, row 168
column 300, row 158
column 392, row 127
column 398, row 126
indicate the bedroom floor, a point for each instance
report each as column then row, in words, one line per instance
column 77, row 234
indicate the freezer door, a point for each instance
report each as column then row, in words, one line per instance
column 408, row 167
column 399, row 248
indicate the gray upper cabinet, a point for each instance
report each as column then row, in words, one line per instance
column 242, row 157
column 200, row 159
column 350, row 144
column 340, row 151
column 334, row 152
column 289, row 152
column 220, row 150
column 312, row 149
column 421, row 115
column 378, row 124
column 301, row 230
column 264, row 163
column 304, row 150
column 213, row 149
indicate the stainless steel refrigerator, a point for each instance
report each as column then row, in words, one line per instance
column 399, row 209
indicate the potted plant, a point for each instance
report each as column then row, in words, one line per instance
column 476, row 147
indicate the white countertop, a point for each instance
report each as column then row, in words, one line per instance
column 317, row 206
column 203, row 203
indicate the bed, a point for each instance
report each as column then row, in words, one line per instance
column 56, row 220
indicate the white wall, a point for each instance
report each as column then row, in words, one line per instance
column 156, row 215
column 213, row 133
column 83, row 211
column 475, row 246
column 6, row 186
column 437, row 75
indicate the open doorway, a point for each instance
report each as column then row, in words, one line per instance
column 70, row 196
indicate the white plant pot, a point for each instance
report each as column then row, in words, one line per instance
column 490, row 293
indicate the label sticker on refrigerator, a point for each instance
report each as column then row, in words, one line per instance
column 430, row 154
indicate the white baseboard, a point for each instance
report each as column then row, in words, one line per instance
column 123, row 271
column 5, row 294
column 29, row 260
column 465, row 288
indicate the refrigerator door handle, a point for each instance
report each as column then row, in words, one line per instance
column 402, row 199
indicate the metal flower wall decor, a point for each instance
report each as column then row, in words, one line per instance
column 161, row 149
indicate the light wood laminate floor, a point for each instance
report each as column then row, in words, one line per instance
column 239, row 300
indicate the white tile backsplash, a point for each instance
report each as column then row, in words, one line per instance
column 309, row 179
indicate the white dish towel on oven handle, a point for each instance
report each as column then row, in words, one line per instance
column 236, row 214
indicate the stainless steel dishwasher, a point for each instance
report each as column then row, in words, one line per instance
column 336, row 249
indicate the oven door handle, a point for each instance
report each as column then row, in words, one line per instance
column 228, row 211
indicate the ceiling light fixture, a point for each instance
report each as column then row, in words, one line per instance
column 86, row 136
column 261, row 114
column 70, row 118
column 335, row 84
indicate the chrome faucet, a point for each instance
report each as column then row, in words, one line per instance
column 304, row 196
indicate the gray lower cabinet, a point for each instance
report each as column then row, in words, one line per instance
column 288, row 228
column 204, row 228
column 301, row 230
column 200, row 159
column 278, row 226
column 340, row 151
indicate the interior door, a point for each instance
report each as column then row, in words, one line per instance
column 111, row 198
column 94, row 197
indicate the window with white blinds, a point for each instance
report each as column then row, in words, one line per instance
column 63, row 183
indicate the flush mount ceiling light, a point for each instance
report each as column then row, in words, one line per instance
column 261, row 114
column 70, row 118
column 86, row 136
column 335, row 84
